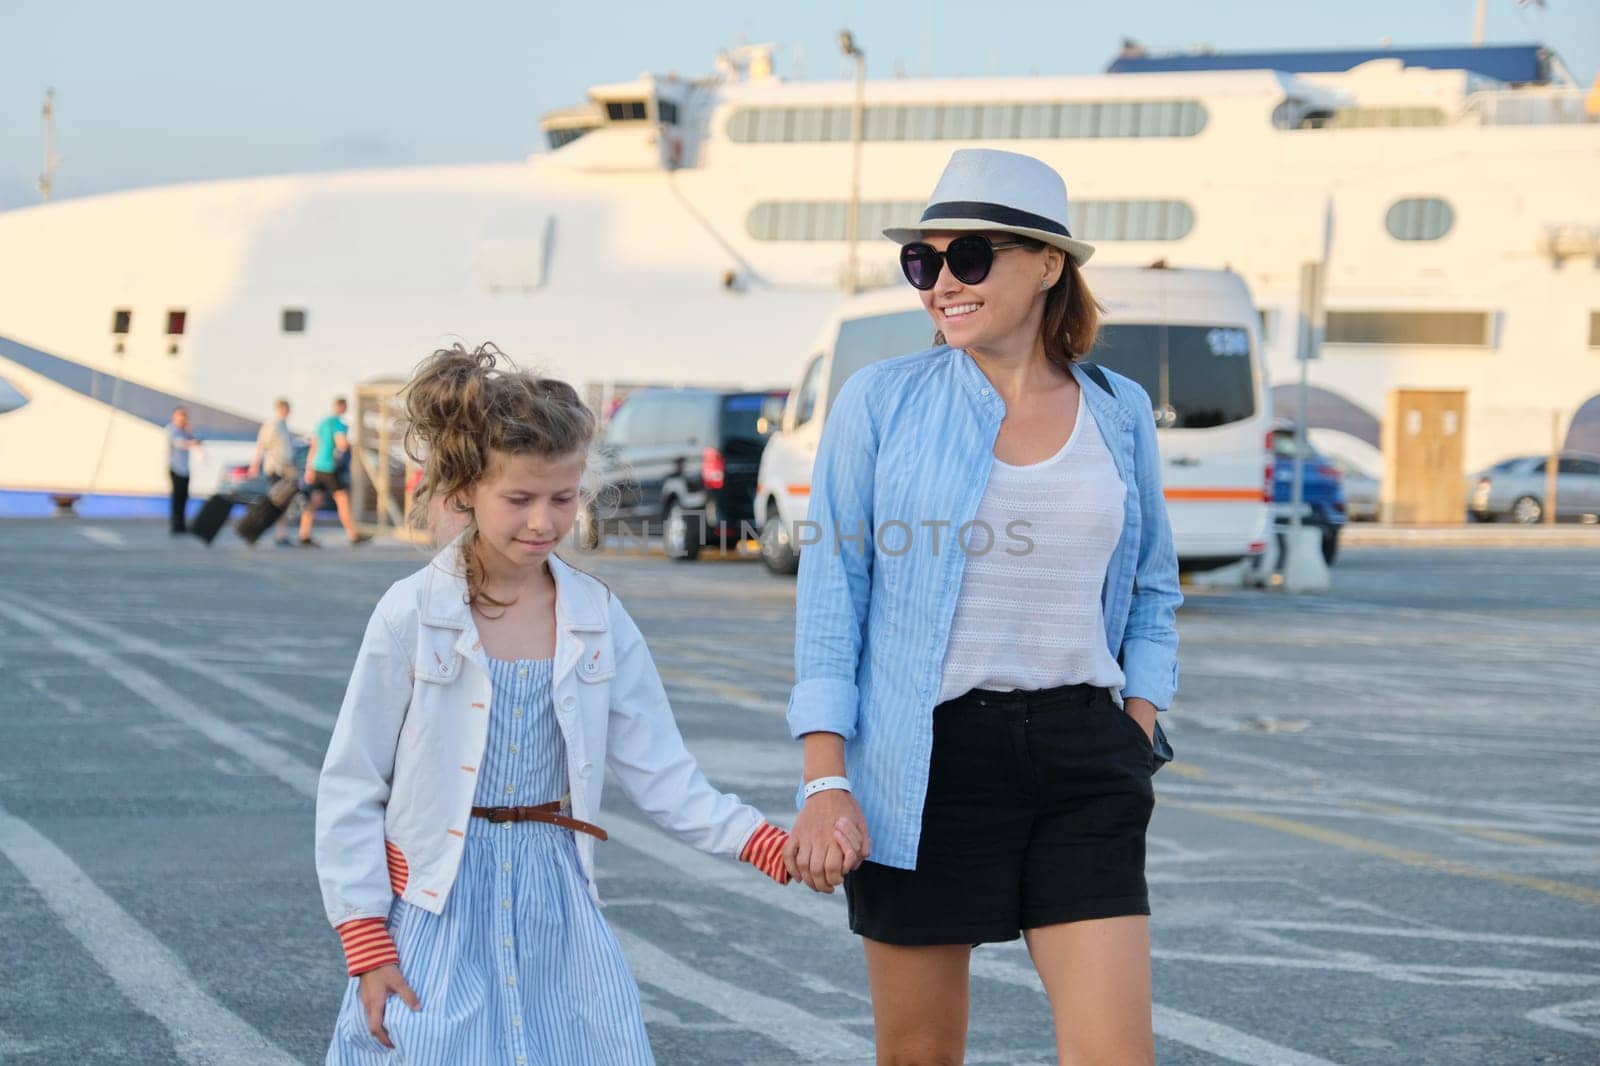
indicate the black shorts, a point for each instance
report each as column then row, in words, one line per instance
column 1036, row 814
column 326, row 482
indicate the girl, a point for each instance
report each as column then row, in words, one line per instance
column 986, row 633
column 455, row 844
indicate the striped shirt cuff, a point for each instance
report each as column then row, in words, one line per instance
column 367, row 945
column 764, row 851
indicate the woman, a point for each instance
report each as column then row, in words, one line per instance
column 985, row 634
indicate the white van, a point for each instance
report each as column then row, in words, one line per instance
column 1190, row 337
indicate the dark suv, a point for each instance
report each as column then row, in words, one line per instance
column 681, row 462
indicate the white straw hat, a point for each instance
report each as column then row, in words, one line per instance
column 988, row 190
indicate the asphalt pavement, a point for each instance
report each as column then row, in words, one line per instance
column 1380, row 842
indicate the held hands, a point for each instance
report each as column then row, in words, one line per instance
column 375, row 988
column 829, row 839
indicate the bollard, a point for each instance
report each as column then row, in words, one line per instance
column 1304, row 569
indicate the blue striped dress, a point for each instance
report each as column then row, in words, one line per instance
column 519, row 968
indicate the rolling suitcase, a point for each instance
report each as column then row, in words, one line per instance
column 267, row 510
column 212, row 517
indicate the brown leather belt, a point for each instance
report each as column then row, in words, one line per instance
column 544, row 812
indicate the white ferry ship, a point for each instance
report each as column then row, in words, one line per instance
column 693, row 231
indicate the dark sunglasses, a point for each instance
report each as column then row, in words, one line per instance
column 970, row 259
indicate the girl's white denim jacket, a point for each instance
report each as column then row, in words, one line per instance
column 398, row 781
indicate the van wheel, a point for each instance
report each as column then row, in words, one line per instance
column 586, row 529
column 777, row 550
column 678, row 535
column 1527, row 510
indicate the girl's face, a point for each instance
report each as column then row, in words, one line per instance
column 526, row 504
column 1004, row 311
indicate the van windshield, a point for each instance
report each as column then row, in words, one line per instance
column 873, row 337
column 1202, row 373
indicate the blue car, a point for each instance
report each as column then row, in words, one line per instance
column 1323, row 493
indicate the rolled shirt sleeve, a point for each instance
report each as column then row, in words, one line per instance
column 835, row 580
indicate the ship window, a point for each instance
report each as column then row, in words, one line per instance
column 626, row 110
column 807, row 124
column 1594, row 329
column 667, row 111
column 1419, row 219
column 294, row 320
column 1131, row 220
column 742, row 125
column 121, row 320
column 1387, row 117
column 998, row 121
column 1037, row 121
column 1468, row 329
column 1090, row 220
column 176, row 320
column 922, row 123
column 882, row 123
column 962, row 122
column 559, row 138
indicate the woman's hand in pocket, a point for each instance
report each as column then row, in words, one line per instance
column 376, row 986
column 1143, row 712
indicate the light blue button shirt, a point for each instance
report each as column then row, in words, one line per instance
column 901, row 468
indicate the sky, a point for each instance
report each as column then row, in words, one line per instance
column 166, row 91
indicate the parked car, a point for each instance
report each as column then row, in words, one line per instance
column 681, row 462
column 1361, row 490
column 1322, row 492
column 1515, row 489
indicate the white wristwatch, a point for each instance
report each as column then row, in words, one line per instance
column 823, row 784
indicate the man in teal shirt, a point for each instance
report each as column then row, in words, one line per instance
column 330, row 443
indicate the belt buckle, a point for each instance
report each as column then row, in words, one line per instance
column 501, row 814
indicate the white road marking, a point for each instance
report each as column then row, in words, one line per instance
column 1496, row 977
column 269, row 757
column 248, row 687
column 805, row 1034
column 1563, row 1016
column 827, row 911
column 1453, row 935
column 148, row 974
column 109, row 537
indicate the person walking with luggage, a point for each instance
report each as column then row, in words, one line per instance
column 181, row 443
column 492, row 693
column 274, row 456
column 992, row 695
column 330, row 443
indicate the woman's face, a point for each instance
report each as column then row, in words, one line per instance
column 526, row 504
column 1003, row 312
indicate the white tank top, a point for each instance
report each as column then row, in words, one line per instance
column 1031, row 618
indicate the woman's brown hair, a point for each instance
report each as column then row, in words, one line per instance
column 462, row 407
column 1071, row 314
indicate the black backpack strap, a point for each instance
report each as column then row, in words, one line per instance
column 1098, row 376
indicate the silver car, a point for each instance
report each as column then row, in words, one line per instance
column 1360, row 491
column 1515, row 489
